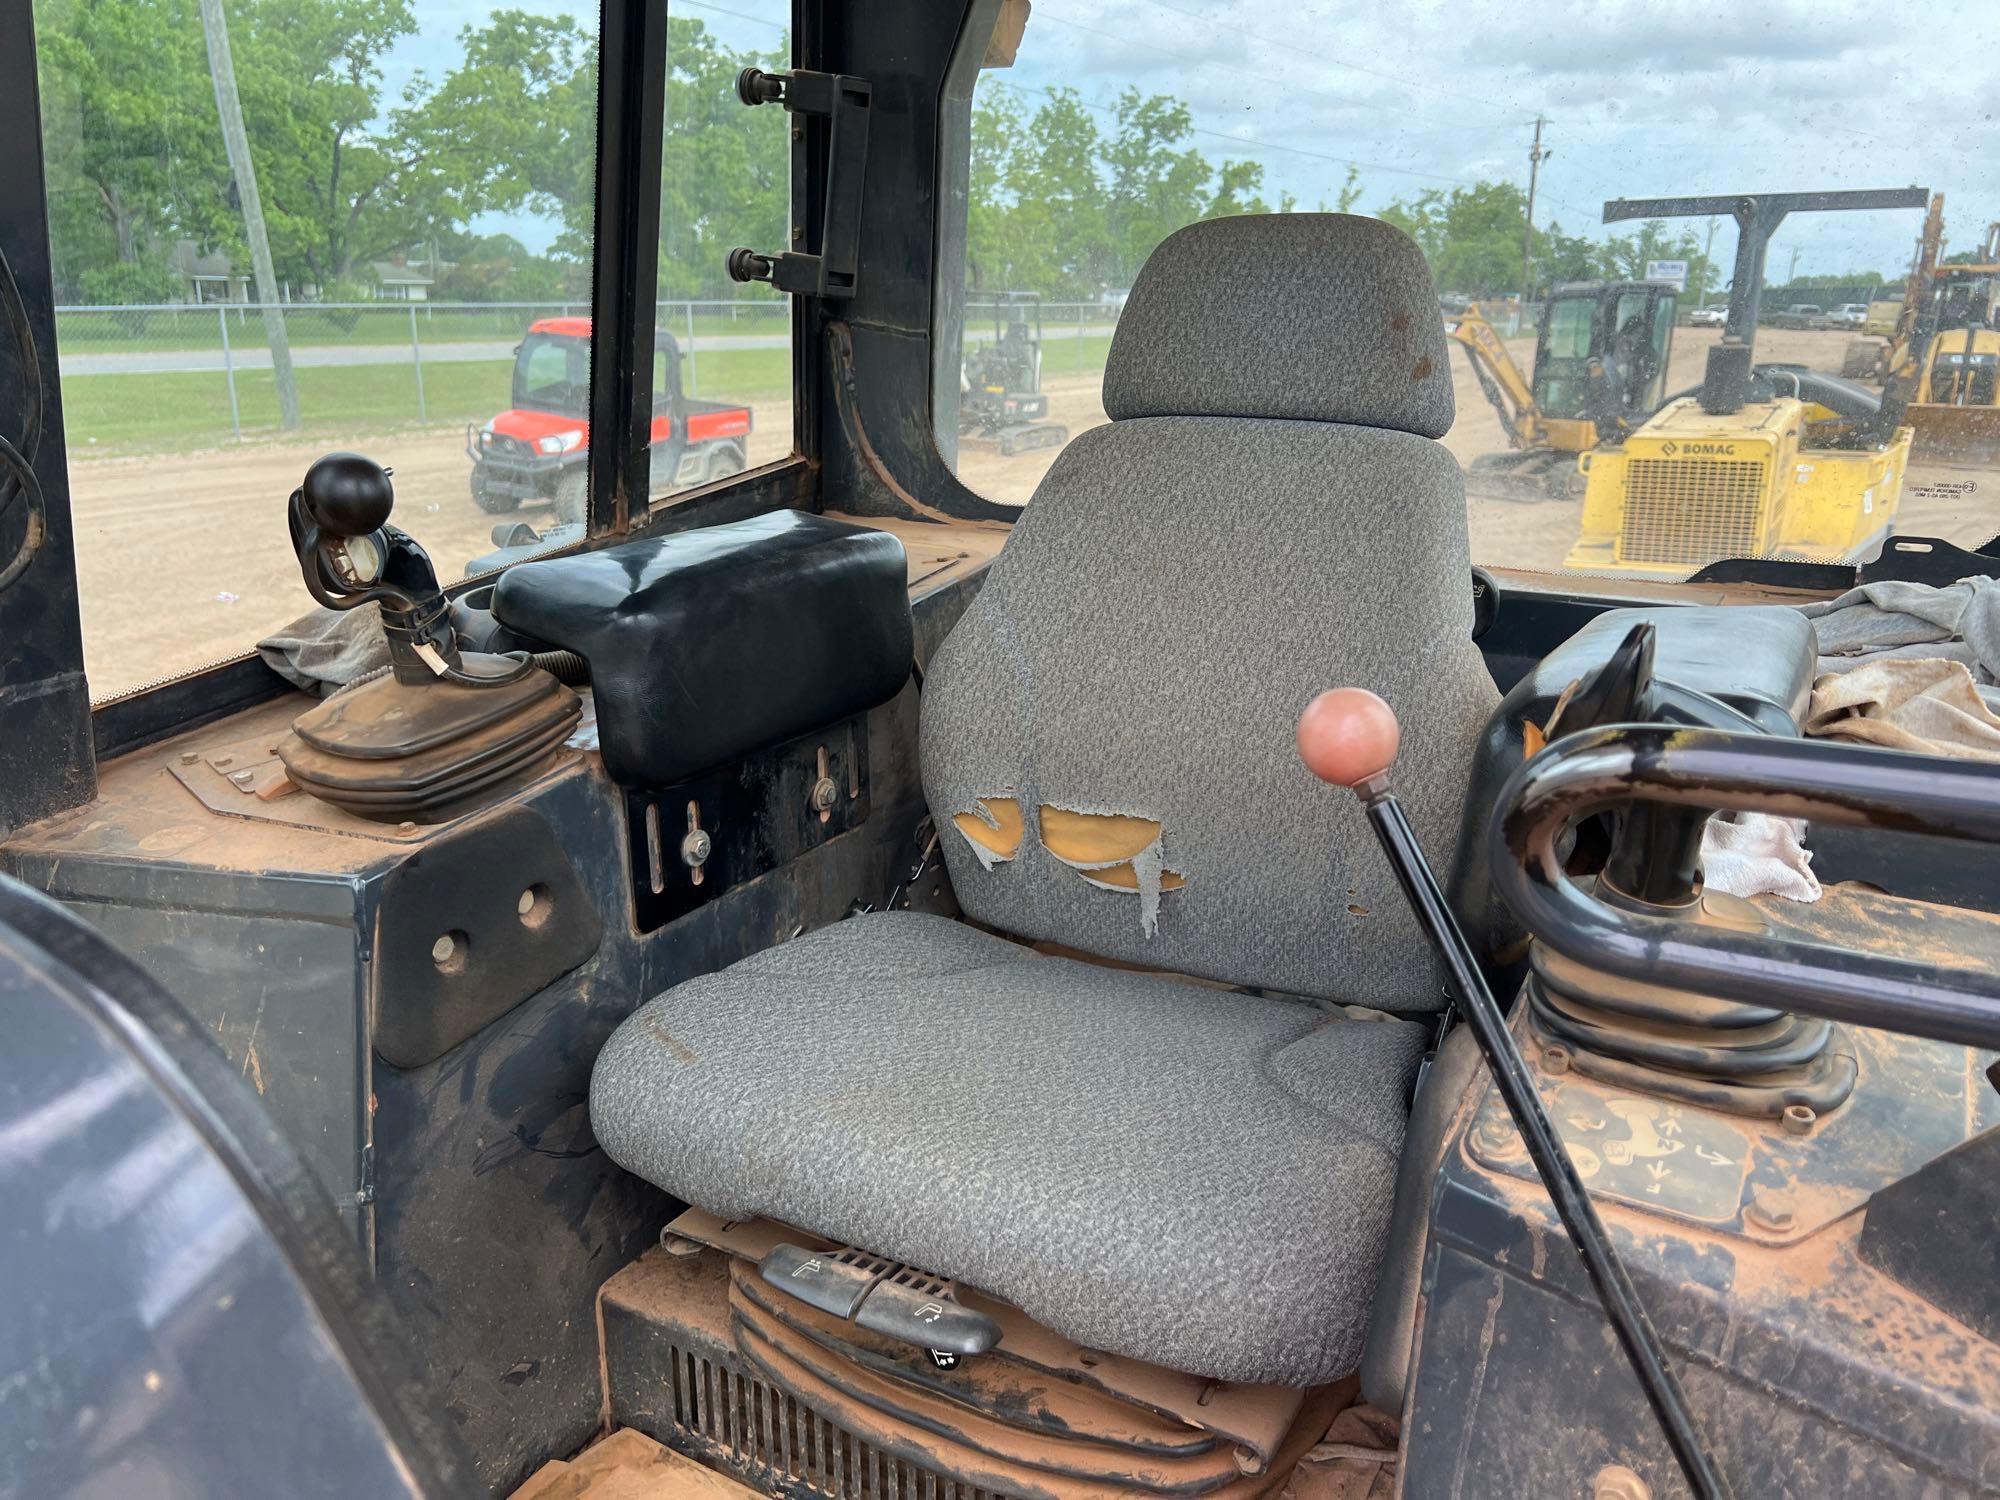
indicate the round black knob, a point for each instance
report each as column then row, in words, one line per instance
column 745, row 264
column 755, row 86
column 348, row 495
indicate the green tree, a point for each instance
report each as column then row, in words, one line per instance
column 1155, row 183
column 1236, row 185
column 338, row 192
column 726, row 177
column 1350, row 192
column 134, row 156
column 1471, row 236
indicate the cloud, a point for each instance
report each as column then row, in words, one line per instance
column 1701, row 96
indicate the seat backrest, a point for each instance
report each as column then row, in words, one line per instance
column 1108, row 733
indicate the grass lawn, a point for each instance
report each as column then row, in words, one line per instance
column 121, row 415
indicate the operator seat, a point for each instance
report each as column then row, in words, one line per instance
column 1193, row 1168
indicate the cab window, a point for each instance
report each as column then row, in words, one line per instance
column 423, row 201
column 1080, row 133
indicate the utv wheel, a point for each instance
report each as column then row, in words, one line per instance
column 721, row 464
column 493, row 502
column 569, row 500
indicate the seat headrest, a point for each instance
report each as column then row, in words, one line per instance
column 1312, row 317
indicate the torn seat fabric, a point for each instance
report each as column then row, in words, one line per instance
column 1169, row 1171
column 1194, row 1176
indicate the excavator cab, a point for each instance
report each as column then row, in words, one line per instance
column 1600, row 366
column 1601, row 356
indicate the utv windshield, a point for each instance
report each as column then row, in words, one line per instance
column 552, row 373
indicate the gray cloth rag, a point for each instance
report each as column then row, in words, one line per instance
column 324, row 650
column 1901, row 621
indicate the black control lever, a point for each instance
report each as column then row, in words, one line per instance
column 1655, row 852
column 350, row 556
column 1828, row 782
column 1349, row 737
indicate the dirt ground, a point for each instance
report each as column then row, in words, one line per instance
column 184, row 559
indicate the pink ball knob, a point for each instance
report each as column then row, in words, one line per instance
column 1348, row 736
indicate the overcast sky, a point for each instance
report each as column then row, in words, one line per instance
column 1641, row 99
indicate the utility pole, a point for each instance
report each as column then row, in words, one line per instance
column 1708, row 258
column 1792, row 270
column 1536, row 156
column 215, row 27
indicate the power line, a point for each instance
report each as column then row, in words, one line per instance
column 723, row 10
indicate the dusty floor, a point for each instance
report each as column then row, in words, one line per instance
column 184, row 559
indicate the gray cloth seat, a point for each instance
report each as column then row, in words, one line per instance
column 1191, row 1175
column 1083, row 1142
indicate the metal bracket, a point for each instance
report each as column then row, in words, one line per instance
column 697, row 840
column 840, row 147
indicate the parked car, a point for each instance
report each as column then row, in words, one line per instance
column 1708, row 317
column 1848, row 315
column 1798, row 315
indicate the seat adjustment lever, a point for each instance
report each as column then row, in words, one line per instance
column 883, row 1296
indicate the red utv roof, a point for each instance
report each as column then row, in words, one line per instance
column 576, row 328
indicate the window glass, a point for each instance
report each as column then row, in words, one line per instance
column 725, row 181
column 393, row 247
column 1569, row 329
column 1086, row 131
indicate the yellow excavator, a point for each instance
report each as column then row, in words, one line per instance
column 1886, row 333
column 1939, row 365
column 1601, row 352
column 1945, row 375
column 1773, row 461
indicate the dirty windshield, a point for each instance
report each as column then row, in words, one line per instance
column 386, row 248
column 1719, row 281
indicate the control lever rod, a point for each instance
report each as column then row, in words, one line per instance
column 1348, row 737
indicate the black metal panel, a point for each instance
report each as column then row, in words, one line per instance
column 1935, row 1232
column 631, row 94
column 471, row 926
column 870, row 367
column 44, row 701
column 1812, row 1372
column 745, row 819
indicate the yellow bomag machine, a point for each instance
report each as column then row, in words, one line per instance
column 1768, row 460
column 1601, row 351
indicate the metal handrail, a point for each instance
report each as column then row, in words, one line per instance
column 1816, row 779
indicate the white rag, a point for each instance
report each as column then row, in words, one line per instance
column 1755, row 854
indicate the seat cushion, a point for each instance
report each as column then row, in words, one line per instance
column 1170, row 1171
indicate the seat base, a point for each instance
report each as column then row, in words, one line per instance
column 1185, row 1175
column 701, row 1355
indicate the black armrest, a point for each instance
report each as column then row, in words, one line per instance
column 705, row 645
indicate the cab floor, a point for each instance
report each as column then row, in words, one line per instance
column 1355, row 1461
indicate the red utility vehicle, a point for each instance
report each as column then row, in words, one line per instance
column 537, row 449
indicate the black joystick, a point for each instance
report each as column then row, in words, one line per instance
column 351, row 555
column 443, row 723
column 348, row 495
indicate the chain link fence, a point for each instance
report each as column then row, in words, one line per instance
column 174, row 377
